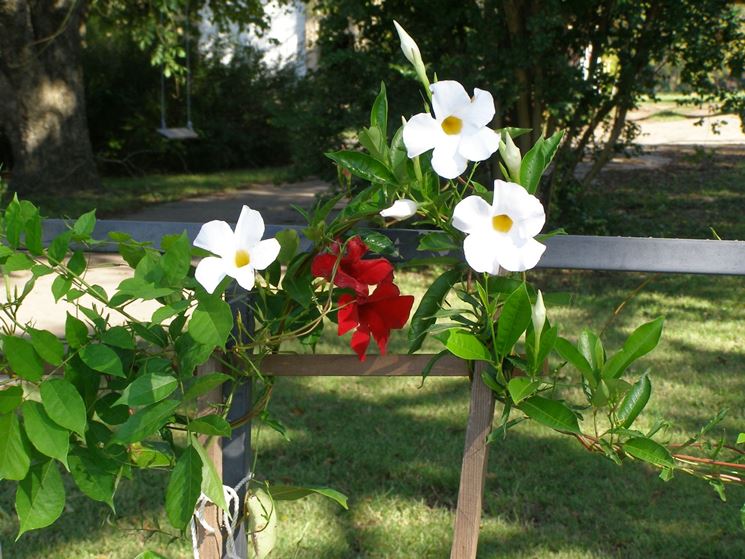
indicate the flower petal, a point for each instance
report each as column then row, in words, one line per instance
column 472, row 214
column 524, row 209
column 210, row 272
column 347, row 317
column 520, row 258
column 481, row 111
column 249, row 229
column 360, row 341
column 446, row 163
column 215, row 236
column 400, row 209
column 480, row 145
column 481, row 251
column 421, row 133
column 245, row 277
column 264, row 253
column 449, row 98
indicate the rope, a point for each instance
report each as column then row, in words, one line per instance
column 227, row 519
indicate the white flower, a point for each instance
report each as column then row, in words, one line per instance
column 457, row 131
column 501, row 235
column 401, row 209
column 239, row 253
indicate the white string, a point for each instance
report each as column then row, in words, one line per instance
column 227, row 519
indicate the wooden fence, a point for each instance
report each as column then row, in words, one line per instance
column 622, row 254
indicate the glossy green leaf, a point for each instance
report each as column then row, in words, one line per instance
column 532, row 167
column 634, row 402
column 77, row 263
column 741, row 438
column 47, row 345
column 550, row 146
column 84, row 225
column 64, row 405
column 58, row 248
column 145, row 422
column 514, row 319
column 591, row 348
column 10, row 398
column 289, row 242
column 379, row 112
column 465, row 345
column 292, row 493
column 47, row 437
column 521, row 388
column 94, row 474
column 425, row 315
column 211, row 482
column 14, row 460
column 569, row 353
column 649, row 451
column 103, row 359
column 118, row 336
column 363, row 166
column 550, row 413
column 40, row 497
column 148, row 389
column 177, row 260
column 76, row 332
column 17, row 262
column 210, row 425
column 641, row 341
column 211, row 322
column 33, row 234
column 184, row 488
column 437, row 241
column 202, row 384
column 22, row 358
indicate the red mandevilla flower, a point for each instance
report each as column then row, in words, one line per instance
column 352, row 272
column 386, row 309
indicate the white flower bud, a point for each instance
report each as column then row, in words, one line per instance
column 511, row 156
column 408, row 46
column 401, row 209
column 538, row 315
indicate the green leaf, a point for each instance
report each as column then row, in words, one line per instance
column 190, row 354
column 514, row 319
column 289, row 242
column 60, row 286
column 177, row 260
column 139, row 288
column 64, row 405
column 210, row 425
column 363, row 166
column 145, row 422
column 379, row 243
column 14, row 461
column 634, row 402
column 379, row 112
column 168, row 311
column 58, row 248
column 292, row 493
column 47, row 345
column 148, row 554
column 95, row 474
column 425, row 315
column 532, row 167
column 591, row 347
column 76, row 332
column 203, row 384
column 551, row 413
column 184, row 488
column 550, row 146
column 211, row 322
column 16, row 262
column 84, row 225
column 33, row 234
column 10, row 399
column 77, row 263
column 741, row 438
column 40, row 497
column 437, row 241
column 49, row 438
column 148, row 389
column 522, row 387
column 153, row 333
column 22, row 358
column 464, row 345
column 103, row 359
column 569, row 353
column 649, row 451
column 211, row 482
column 641, row 341
column 109, row 412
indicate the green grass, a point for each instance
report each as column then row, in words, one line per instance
column 395, row 447
column 126, row 194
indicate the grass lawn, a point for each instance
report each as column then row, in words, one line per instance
column 125, row 194
column 394, row 447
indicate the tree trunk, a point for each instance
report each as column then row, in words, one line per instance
column 42, row 101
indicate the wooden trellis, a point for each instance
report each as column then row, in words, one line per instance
column 563, row 252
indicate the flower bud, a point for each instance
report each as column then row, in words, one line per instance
column 510, row 155
column 412, row 54
column 401, row 209
column 538, row 315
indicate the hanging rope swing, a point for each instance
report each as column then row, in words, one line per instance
column 185, row 132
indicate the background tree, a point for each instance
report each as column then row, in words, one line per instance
column 42, row 97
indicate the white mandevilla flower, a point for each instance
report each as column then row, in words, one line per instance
column 239, row 253
column 457, row 131
column 501, row 235
column 401, row 209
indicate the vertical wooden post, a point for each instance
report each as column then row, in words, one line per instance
column 473, row 470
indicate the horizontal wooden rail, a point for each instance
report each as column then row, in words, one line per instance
column 350, row 366
column 571, row 252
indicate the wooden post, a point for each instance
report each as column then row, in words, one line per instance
column 473, row 470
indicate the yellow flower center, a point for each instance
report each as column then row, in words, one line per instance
column 501, row 223
column 241, row 258
column 452, row 125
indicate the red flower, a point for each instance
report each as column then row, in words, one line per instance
column 378, row 314
column 352, row 272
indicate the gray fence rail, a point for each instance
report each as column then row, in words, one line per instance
column 571, row 252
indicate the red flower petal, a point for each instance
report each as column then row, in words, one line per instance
column 347, row 317
column 360, row 342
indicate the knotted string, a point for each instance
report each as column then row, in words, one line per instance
column 227, row 519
